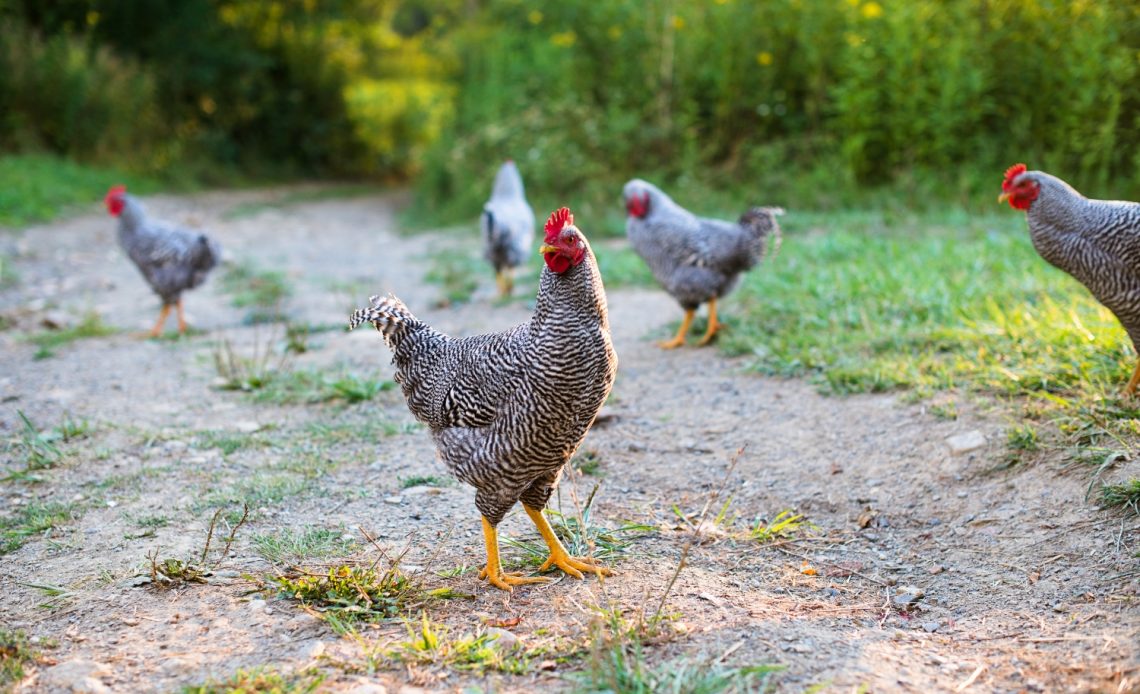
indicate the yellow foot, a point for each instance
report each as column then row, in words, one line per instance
column 574, row 566
column 679, row 338
column 503, row 580
column 714, row 324
column 672, row 344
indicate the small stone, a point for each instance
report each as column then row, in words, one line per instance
column 394, row 499
column 422, row 489
column 931, row 627
column 1058, row 607
column 936, row 569
column 802, row 648
column 55, row 320
column 964, row 443
column 636, row 447
column 257, row 605
column 502, row 639
column 316, row 650
column 247, row 427
column 906, row 596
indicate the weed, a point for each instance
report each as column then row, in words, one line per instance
column 1125, row 494
column 263, row 292
column 16, row 651
column 289, row 545
column 173, row 572
column 264, row 680
column 91, row 325
column 228, row 442
column 587, row 463
column 39, row 450
column 429, row 643
column 315, row 387
column 785, row 525
column 947, row 411
column 31, row 520
column 424, row 480
column 1023, row 438
column 355, row 593
column 249, row 373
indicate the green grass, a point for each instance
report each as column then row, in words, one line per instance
column 40, row 187
column 263, row 680
column 424, row 480
column 31, row 520
column 293, row 545
column 429, row 643
column 622, row 267
column 92, row 325
column 262, row 292
column 785, row 525
column 15, row 653
column 311, row 386
column 1126, row 494
column 353, row 593
column 456, row 271
column 332, row 192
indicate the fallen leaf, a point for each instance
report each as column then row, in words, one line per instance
column 807, row 569
column 865, row 518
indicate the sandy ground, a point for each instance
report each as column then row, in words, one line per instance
column 1022, row 584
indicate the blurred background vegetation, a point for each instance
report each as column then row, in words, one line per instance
column 821, row 104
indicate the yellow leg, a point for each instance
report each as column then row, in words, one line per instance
column 680, row 338
column 494, row 570
column 1130, row 389
column 157, row 329
column 506, row 282
column 558, row 555
column 181, row 319
column 714, row 326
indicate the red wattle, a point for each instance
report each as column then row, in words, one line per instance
column 557, row 263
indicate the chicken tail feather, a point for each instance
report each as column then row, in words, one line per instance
column 388, row 314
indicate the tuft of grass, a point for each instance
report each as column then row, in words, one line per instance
column 16, row 652
column 785, row 525
column 249, row 373
column 310, row 387
column 352, row 594
column 1023, row 437
column 91, row 325
column 263, row 680
column 456, row 272
column 32, row 520
column 424, row 480
column 263, row 292
column 228, row 442
column 37, row 449
column 587, row 463
column 429, row 643
column 289, row 545
column 1125, row 494
column 256, row 491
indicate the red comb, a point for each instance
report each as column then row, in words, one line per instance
column 115, row 192
column 1010, row 174
column 558, row 221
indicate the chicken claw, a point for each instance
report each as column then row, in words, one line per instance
column 680, row 337
column 573, row 566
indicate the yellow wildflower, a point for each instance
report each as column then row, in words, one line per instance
column 764, row 58
column 614, row 32
column 565, row 39
column 535, row 17
column 678, row 23
column 872, row 10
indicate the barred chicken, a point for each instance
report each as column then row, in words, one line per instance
column 507, row 226
column 172, row 259
column 697, row 260
column 507, row 410
column 1095, row 241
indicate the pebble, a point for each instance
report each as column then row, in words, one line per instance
column 905, row 596
column 931, row 627
column 394, row 499
column 636, row 446
column 503, row 640
column 247, row 427
column 966, row 442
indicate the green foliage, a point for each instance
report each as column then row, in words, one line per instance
column 38, row 449
column 311, row 386
column 264, row 292
column 456, row 273
column 264, row 680
column 92, row 325
column 433, row 644
column 355, row 593
column 786, row 524
column 289, row 545
column 15, row 652
column 31, row 520
column 1125, row 494
column 37, row 187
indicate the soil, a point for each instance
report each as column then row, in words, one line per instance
column 923, row 569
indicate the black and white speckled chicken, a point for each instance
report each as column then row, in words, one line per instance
column 1095, row 241
column 172, row 259
column 507, row 226
column 696, row 259
column 507, row 410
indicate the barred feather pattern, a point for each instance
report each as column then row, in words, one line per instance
column 507, row 223
column 507, row 410
column 696, row 258
column 171, row 259
column 1095, row 241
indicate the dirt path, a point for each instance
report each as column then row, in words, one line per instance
column 1020, row 578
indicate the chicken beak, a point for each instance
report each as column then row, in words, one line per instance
column 1003, row 197
column 547, row 248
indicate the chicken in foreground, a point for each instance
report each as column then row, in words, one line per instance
column 507, row 410
column 1095, row 241
column 172, row 259
column 697, row 260
column 507, row 226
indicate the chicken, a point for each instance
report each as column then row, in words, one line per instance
column 507, row 410
column 696, row 260
column 1095, row 241
column 172, row 259
column 507, row 226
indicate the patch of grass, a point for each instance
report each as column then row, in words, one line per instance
column 1023, row 437
column 587, row 463
column 31, row 520
column 263, row 292
column 352, row 593
column 425, row 481
column 263, row 680
column 311, row 386
column 456, row 272
column 1125, row 494
column 41, row 187
column 947, row 411
column 38, row 450
column 8, row 278
column 290, row 545
column 257, row 490
column 785, row 525
column 16, row 652
column 250, row 372
column 91, row 325
column 429, row 643
column 227, row 441
column 368, row 430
